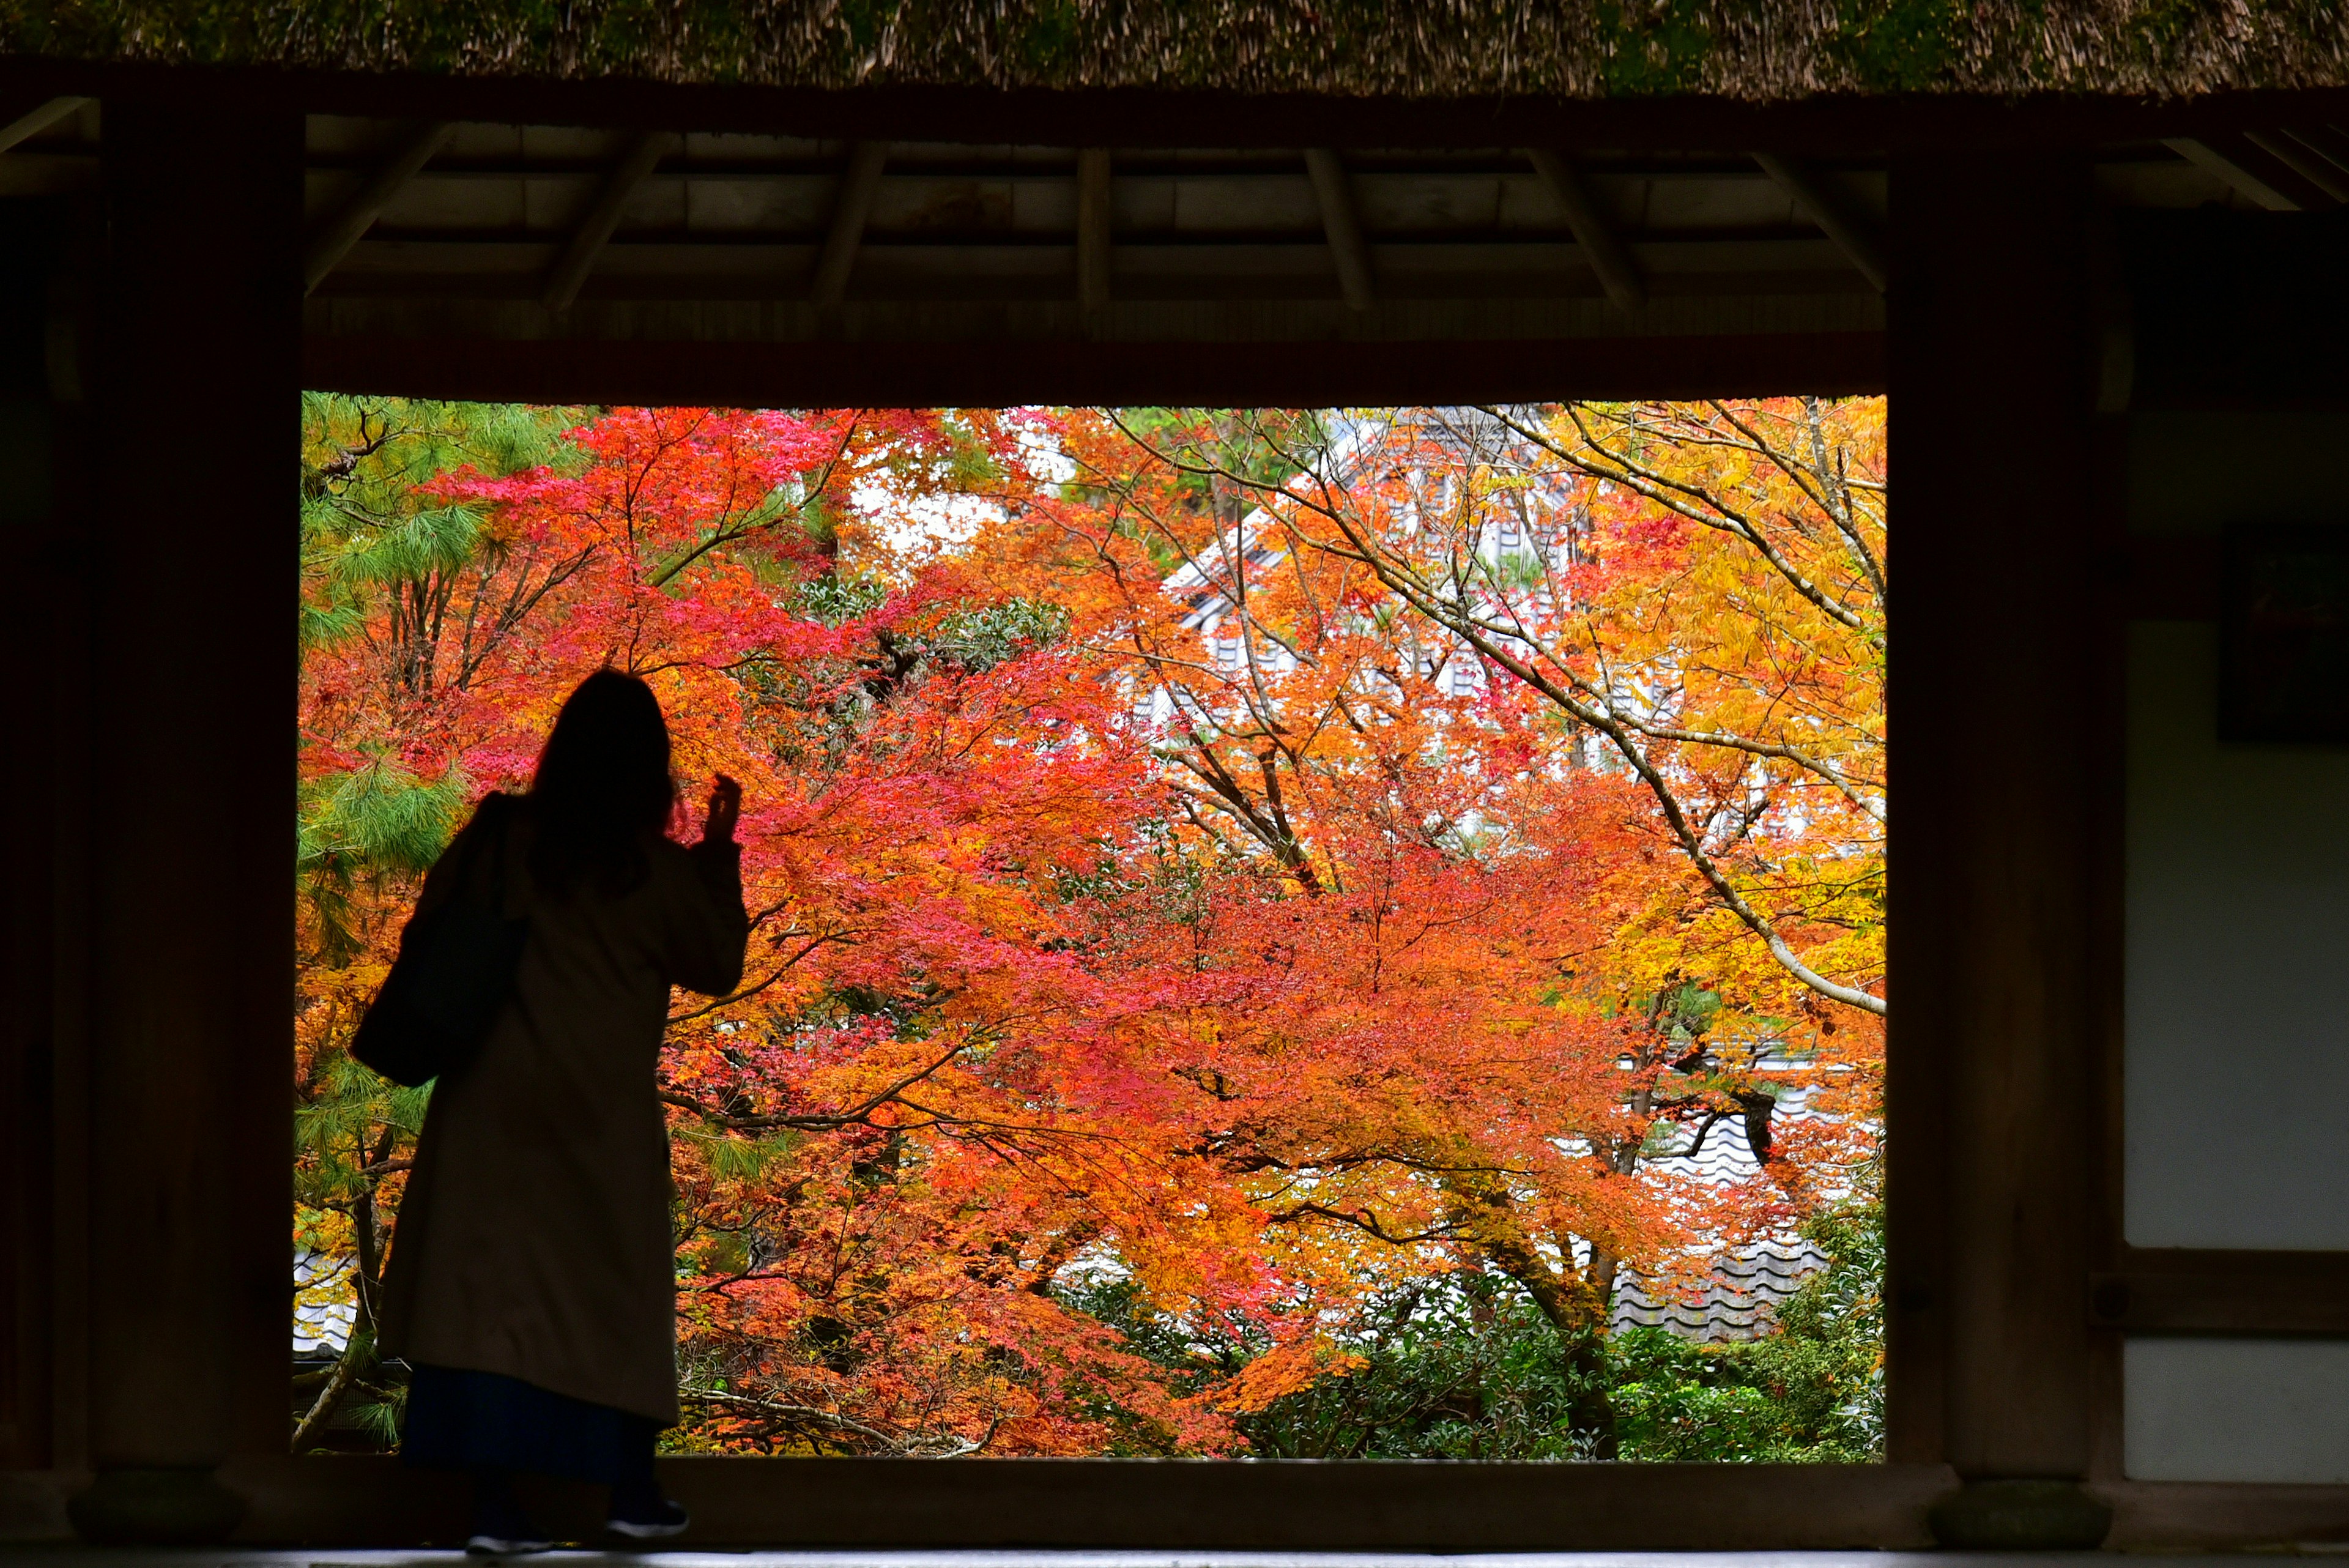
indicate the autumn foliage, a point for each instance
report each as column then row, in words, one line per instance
column 1228, row 865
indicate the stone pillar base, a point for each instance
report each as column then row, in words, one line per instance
column 2021, row 1516
column 175, row 1507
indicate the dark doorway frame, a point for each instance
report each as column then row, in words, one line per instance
column 1993, row 1085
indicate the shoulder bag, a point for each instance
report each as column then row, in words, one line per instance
column 455, row 970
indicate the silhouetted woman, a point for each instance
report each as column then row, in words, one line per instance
column 532, row 1284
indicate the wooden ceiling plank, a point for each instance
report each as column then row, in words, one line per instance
column 1618, row 274
column 2204, row 156
column 1342, row 227
column 594, row 230
column 1092, row 228
column 25, row 127
column 850, row 208
column 333, row 239
column 1850, row 234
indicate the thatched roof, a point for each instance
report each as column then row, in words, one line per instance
column 1752, row 50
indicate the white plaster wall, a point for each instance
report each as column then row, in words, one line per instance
column 2235, row 1409
column 2236, row 1057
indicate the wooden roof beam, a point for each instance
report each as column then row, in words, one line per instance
column 2305, row 161
column 850, row 208
column 1851, row 234
column 2237, row 178
column 2325, row 142
column 594, row 230
column 1618, row 274
column 333, row 240
column 1092, row 229
column 1342, row 226
column 25, row 127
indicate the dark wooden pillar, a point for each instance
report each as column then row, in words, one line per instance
column 1990, row 1059
column 191, row 795
column 47, row 245
column 28, row 245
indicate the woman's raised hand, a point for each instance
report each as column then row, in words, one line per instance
column 725, row 811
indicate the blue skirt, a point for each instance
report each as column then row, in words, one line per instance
column 464, row 1420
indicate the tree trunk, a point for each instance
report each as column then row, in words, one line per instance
column 1574, row 1310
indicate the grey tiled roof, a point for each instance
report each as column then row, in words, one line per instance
column 1732, row 1304
column 1735, row 1299
column 322, row 1314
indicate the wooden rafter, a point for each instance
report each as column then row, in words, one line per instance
column 2302, row 160
column 1342, row 226
column 2325, row 142
column 1092, row 228
column 25, row 127
column 1618, row 274
column 850, row 208
column 2236, row 177
column 979, row 229
column 1851, row 234
column 333, row 240
column 594, row 230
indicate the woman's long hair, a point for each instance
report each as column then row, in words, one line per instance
column 601, row 788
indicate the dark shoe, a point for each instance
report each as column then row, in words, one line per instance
column 641, row 1513
column 501, row 1526
column 484, row 1544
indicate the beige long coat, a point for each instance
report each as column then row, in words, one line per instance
column 533, row 1238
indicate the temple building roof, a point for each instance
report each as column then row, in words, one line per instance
column 1753, row 51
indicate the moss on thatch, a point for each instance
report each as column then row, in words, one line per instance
column 1744, row 50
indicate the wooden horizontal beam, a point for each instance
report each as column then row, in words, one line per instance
column 1760, row 325
column 2218, row 1294
column 1267, row 1505
column 359, row 1501
column 2310, row 1268
column 2223, row 1516
column 660, row 254
column 995, row 373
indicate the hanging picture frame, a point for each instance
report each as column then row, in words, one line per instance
column 2283, row 635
